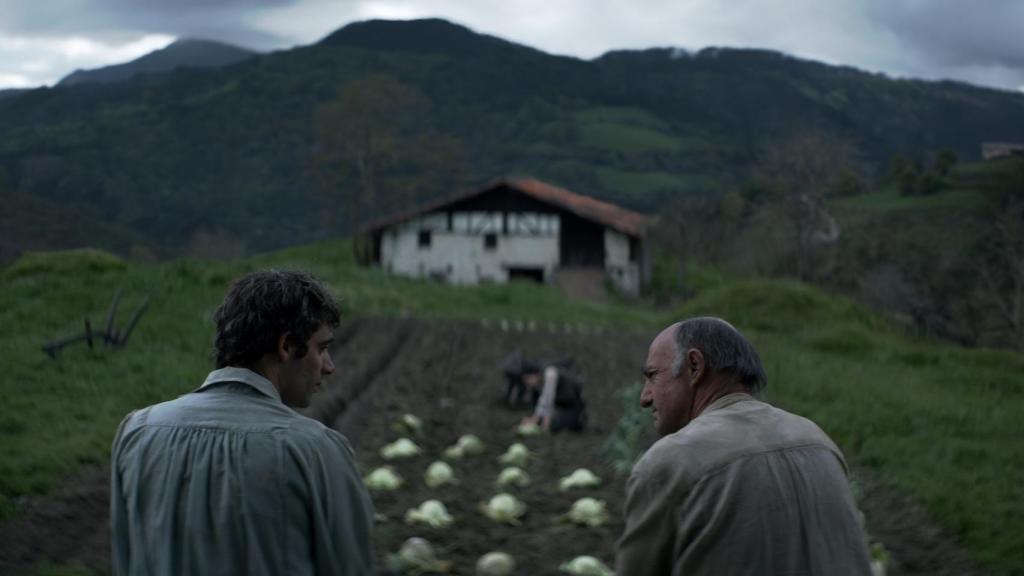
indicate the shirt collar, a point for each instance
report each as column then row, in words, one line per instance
column 243, row 376
column 727, row 400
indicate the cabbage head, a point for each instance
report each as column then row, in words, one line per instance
column 432, row 513
column 495, row 564
column 516, row 455
column 452, row 453
column 408, row 424
column 527, row 429
column 586, row 566
column 504, row 508
column 416, row 557
column 513, row 476
column 580, row 478
column 401, row 448
column 383, row 479
column 439, row 473
column 589, row 512
column 470, row 445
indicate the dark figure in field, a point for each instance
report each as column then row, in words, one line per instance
column 230, row 479
column 734, row 486
column 514, row 367
column 557, row 397
column 518, row 369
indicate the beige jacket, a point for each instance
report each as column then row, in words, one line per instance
column 744, row 488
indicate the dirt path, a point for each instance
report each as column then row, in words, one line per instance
column 70, row 526
column 446, row 372
column 916, row 544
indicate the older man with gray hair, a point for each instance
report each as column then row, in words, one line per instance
column 735, row 485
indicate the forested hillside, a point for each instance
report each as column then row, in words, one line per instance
column 185, row 53
column 306, row 143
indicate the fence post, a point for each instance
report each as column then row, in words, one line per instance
column 133, row 322
column 110, row 337
column 88, row 333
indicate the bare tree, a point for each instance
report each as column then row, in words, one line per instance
column 697, row 227
column 692, row 229
column 798, row 175
column 1000, row 264
column 374, row 149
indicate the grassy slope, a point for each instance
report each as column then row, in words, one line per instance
column 940, row 422
column 59, row 415
column 959, row 204
column 33, row 223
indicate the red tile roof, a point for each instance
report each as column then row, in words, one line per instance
column 612, row 216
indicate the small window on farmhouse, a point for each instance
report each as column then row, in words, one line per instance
column 490, row 241
column 424, row 239
column 634, row 249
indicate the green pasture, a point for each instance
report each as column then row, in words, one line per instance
column 963, row 193
column 624, row 130
column 941, row 423
column 59, row 415
column 888, row 199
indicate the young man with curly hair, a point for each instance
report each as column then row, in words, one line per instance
column 230, row 479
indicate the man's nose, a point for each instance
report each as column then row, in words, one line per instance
column 646, row 397
column 328, row 365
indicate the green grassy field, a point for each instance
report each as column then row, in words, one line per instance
column 60, row 415
column 963, row 192
column 939, row 422
column 944, row 226
column 624, row 130
column 889, row 199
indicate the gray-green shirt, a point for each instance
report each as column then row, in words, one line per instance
column 228, row 480
column 743, row 489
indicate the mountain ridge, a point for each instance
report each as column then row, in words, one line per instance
column 182, row 53
column 430, row 34
column 171, row 154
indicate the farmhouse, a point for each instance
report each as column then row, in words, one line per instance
column 513, row 228
column 990, row 150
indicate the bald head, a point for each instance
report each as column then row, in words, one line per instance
column 725, row 350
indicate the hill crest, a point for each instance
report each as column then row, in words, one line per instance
column 182, row 53
column 421, row 35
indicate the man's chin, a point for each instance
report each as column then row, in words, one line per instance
column 660, row 427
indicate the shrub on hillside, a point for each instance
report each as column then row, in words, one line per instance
column 67, row 263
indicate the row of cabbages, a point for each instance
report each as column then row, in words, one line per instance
column 417, row 555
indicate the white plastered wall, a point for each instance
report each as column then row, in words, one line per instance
column 625, row 275
column 459, row 256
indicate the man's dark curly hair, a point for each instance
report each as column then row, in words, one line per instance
column 261, row 306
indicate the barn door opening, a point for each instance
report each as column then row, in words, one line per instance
column 531, row 274
column 581, row 243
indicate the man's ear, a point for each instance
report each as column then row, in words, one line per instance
column 283, row 350
column 696, row 367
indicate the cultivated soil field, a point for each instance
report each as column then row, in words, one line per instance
column 448, row 374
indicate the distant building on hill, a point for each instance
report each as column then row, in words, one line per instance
column 513, row 228
column 990, row 150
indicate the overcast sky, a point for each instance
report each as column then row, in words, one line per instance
column 976, row 41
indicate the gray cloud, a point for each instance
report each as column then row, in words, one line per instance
column 957, row 34
column 973, row 41
column 117, row 20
